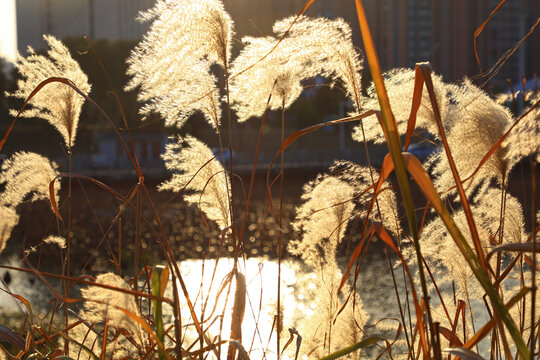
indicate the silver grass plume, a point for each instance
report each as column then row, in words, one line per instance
column 313, row 46
column 171, row 65
column 524, row 140
column 325, row 47
column 206, row 184
column 25, row 174
column 8, row 220
column 55, row 240
column 400, row 87
column 57, row 103
column 359, row 177
column 323, row 219
column 480, row 123
column 100, row 303
column 278, row 74
column 444, row 257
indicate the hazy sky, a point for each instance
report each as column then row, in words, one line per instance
column 8, row 32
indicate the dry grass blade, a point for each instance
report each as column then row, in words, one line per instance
column 242, row 354
column 450, row 336
column 425, row 71
column 520, row 247
column 464, row 354
column 417, row 100
column 10, row 336
column 478, row 31
column 362, row 344
column 390, row 129
column 422, row 179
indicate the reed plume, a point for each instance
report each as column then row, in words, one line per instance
column 524, row 140
column 279, row 74
column 325, row 47
column 171, row 66
column 103, row 303
column 9, row 219
column 55, row 240
column 57, row 103
column 442, row 254
column 322, row 220
column 480, row 123
column 199, row 173
column 26, row 174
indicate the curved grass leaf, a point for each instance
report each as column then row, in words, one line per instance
column 520, row 247
column 463, row 353
column 391, row 133
column 362, row 344
column 424, row 182
column 10, row 336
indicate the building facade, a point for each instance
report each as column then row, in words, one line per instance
column 405, row 31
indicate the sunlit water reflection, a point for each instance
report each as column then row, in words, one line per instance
column 213, row 298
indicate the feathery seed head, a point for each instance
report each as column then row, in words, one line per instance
column 400, row 87
column 8, row 220
column 57, row 103
column 100, row 302
column 322, row 218
column 27, row 173
column 278, row 74
column 442, row 253
column 54, row 239
column 360, row 178
column 325, row 47
column 207, row 182
column 524, row 139
column 172, row 63
column 313, row 46
column 480, row 123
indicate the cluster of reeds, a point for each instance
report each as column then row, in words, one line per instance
column 471, row 237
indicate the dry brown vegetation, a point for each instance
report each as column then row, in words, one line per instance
column 463, row 267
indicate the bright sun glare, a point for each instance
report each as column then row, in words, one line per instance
column 209, row 295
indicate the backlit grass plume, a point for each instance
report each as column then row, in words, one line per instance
column 278, row 74
column 359, row 177
column 27, row 174
column 443, row 255
column 8, row 220
column 171, row 66
column 24, row 176
column 325, row 47
column 524, row 140
column 103, row 303
column 57, row 103
column 201, row 176
column 480, row 123
column 322, row 220
column 400, row 85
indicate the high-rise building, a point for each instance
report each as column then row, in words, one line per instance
column 404, row 31
column 442, row 32
column 109, row 19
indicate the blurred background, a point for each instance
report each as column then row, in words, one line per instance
column 404, row 31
